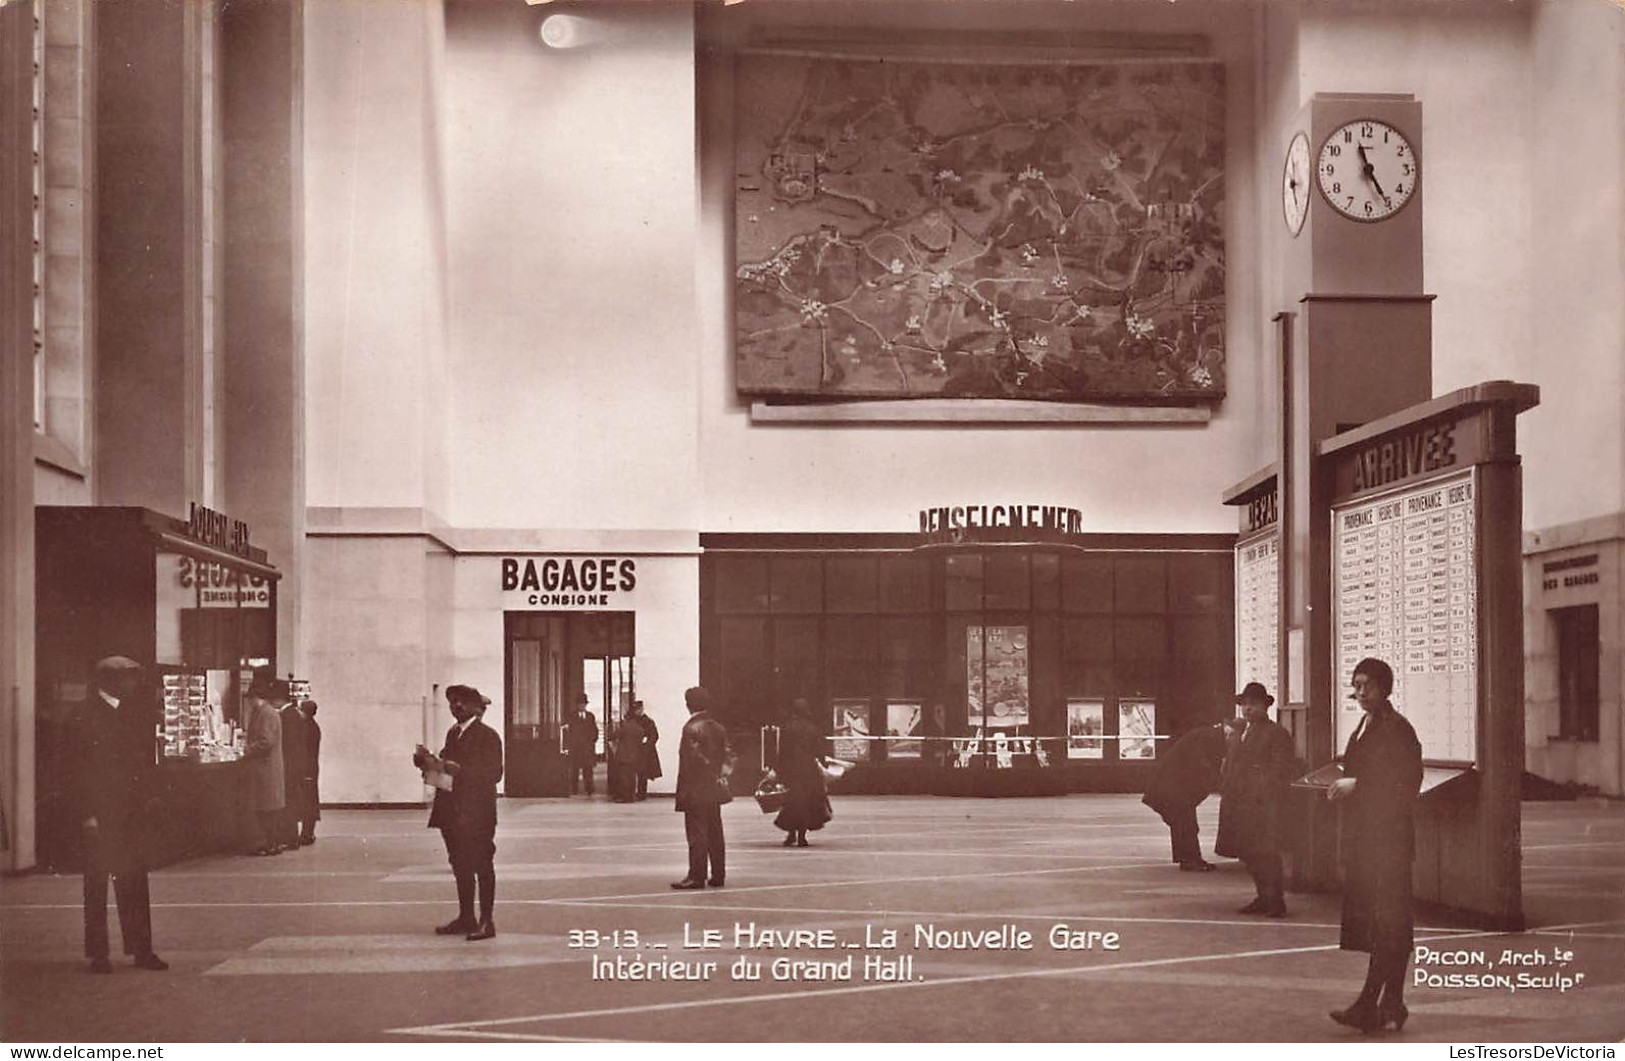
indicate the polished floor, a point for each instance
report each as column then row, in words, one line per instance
column 334, row 942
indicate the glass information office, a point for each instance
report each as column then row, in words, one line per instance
column 977, row 667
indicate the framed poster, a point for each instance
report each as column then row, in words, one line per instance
column 996, row 668
column 1136, row 729
column 904, row 727
column 1085, row 722
column 849, row 734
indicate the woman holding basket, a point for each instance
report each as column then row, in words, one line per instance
column 806, row 801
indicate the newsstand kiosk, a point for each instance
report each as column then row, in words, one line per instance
column 190, row 600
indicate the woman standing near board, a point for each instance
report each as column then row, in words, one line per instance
column 1382, row 774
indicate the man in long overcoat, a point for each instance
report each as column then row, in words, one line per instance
column 1254, row 792
column 703, row 765
column 581, row 745
column 310, row 804
column 295, row 768
column 648, row 748
column 112, row 781
column 266, row 776
column 1186, row 775
column 466, row 813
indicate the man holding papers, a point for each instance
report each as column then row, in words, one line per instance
column 464, row 776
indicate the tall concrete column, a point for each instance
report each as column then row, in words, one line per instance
column 16, row 437
column 261, row 71
column 149, row 212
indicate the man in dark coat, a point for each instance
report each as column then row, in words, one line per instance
column 465, row 776
column 112, row 763
column 1254, row 792
column 311, row 796
column 1186, row 775
column 581, row 744
column 648, row 749
column 703, row 765
column 295, row 767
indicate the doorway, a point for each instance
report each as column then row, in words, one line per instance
column 552, row 660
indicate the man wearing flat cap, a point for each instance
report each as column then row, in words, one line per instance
column 112, row 763
column 1252, row 798
column 470, row 763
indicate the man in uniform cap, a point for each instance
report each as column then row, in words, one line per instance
column 1251, row 801
column 112, row 757
column 466, row 812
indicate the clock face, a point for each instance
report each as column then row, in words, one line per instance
column 1367, row 170
column 1295, row 189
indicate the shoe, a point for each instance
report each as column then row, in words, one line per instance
column 100, row 965
column 790, row 841
column 1276, row 910
column 1257, row 906
column 1361, row 1016
column 1395, row 1014
column 262, row 851
column 687, row 884
column 487, row 930
column 461, row 926
column 715, row 882
column 306, row 841
column 1197, row 867
column 801, row 841
column 150, row 961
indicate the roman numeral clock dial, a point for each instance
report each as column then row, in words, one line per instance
column 1367, row 170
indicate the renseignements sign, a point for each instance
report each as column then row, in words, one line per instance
column 999, row 523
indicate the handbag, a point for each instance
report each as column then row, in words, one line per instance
column 770, row 794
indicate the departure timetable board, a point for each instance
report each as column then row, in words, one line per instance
column 1405, row 590
column 1258, row 610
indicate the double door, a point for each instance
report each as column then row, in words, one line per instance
column 553, row 659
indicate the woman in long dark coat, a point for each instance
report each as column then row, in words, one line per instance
column 806, row 804
column 1382, row 774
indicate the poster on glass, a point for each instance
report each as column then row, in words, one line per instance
column 1085, row 722
column 849, row 736
column 1136, row 729
column 996, row 670
column 904, row 729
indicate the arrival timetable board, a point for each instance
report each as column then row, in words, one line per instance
column 1258, row 610
column 1405, row 590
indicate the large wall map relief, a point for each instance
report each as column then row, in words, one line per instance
column 930, row 230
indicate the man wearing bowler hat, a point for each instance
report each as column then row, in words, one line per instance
column 465, row 776
column 113, row 757
column 1252, row 796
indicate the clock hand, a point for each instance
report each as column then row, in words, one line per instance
column 1370, row 171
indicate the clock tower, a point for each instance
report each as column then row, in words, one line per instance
column 1354, row 343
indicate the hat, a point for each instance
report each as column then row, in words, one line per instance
column 110, row 664
column 697, row 698
column 466, row 694
column 1254, row 691
column 264, row 675
column 1378, row 671
column 272, row 689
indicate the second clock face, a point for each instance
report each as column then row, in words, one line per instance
column 1367, row 170
column 1295, row 184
